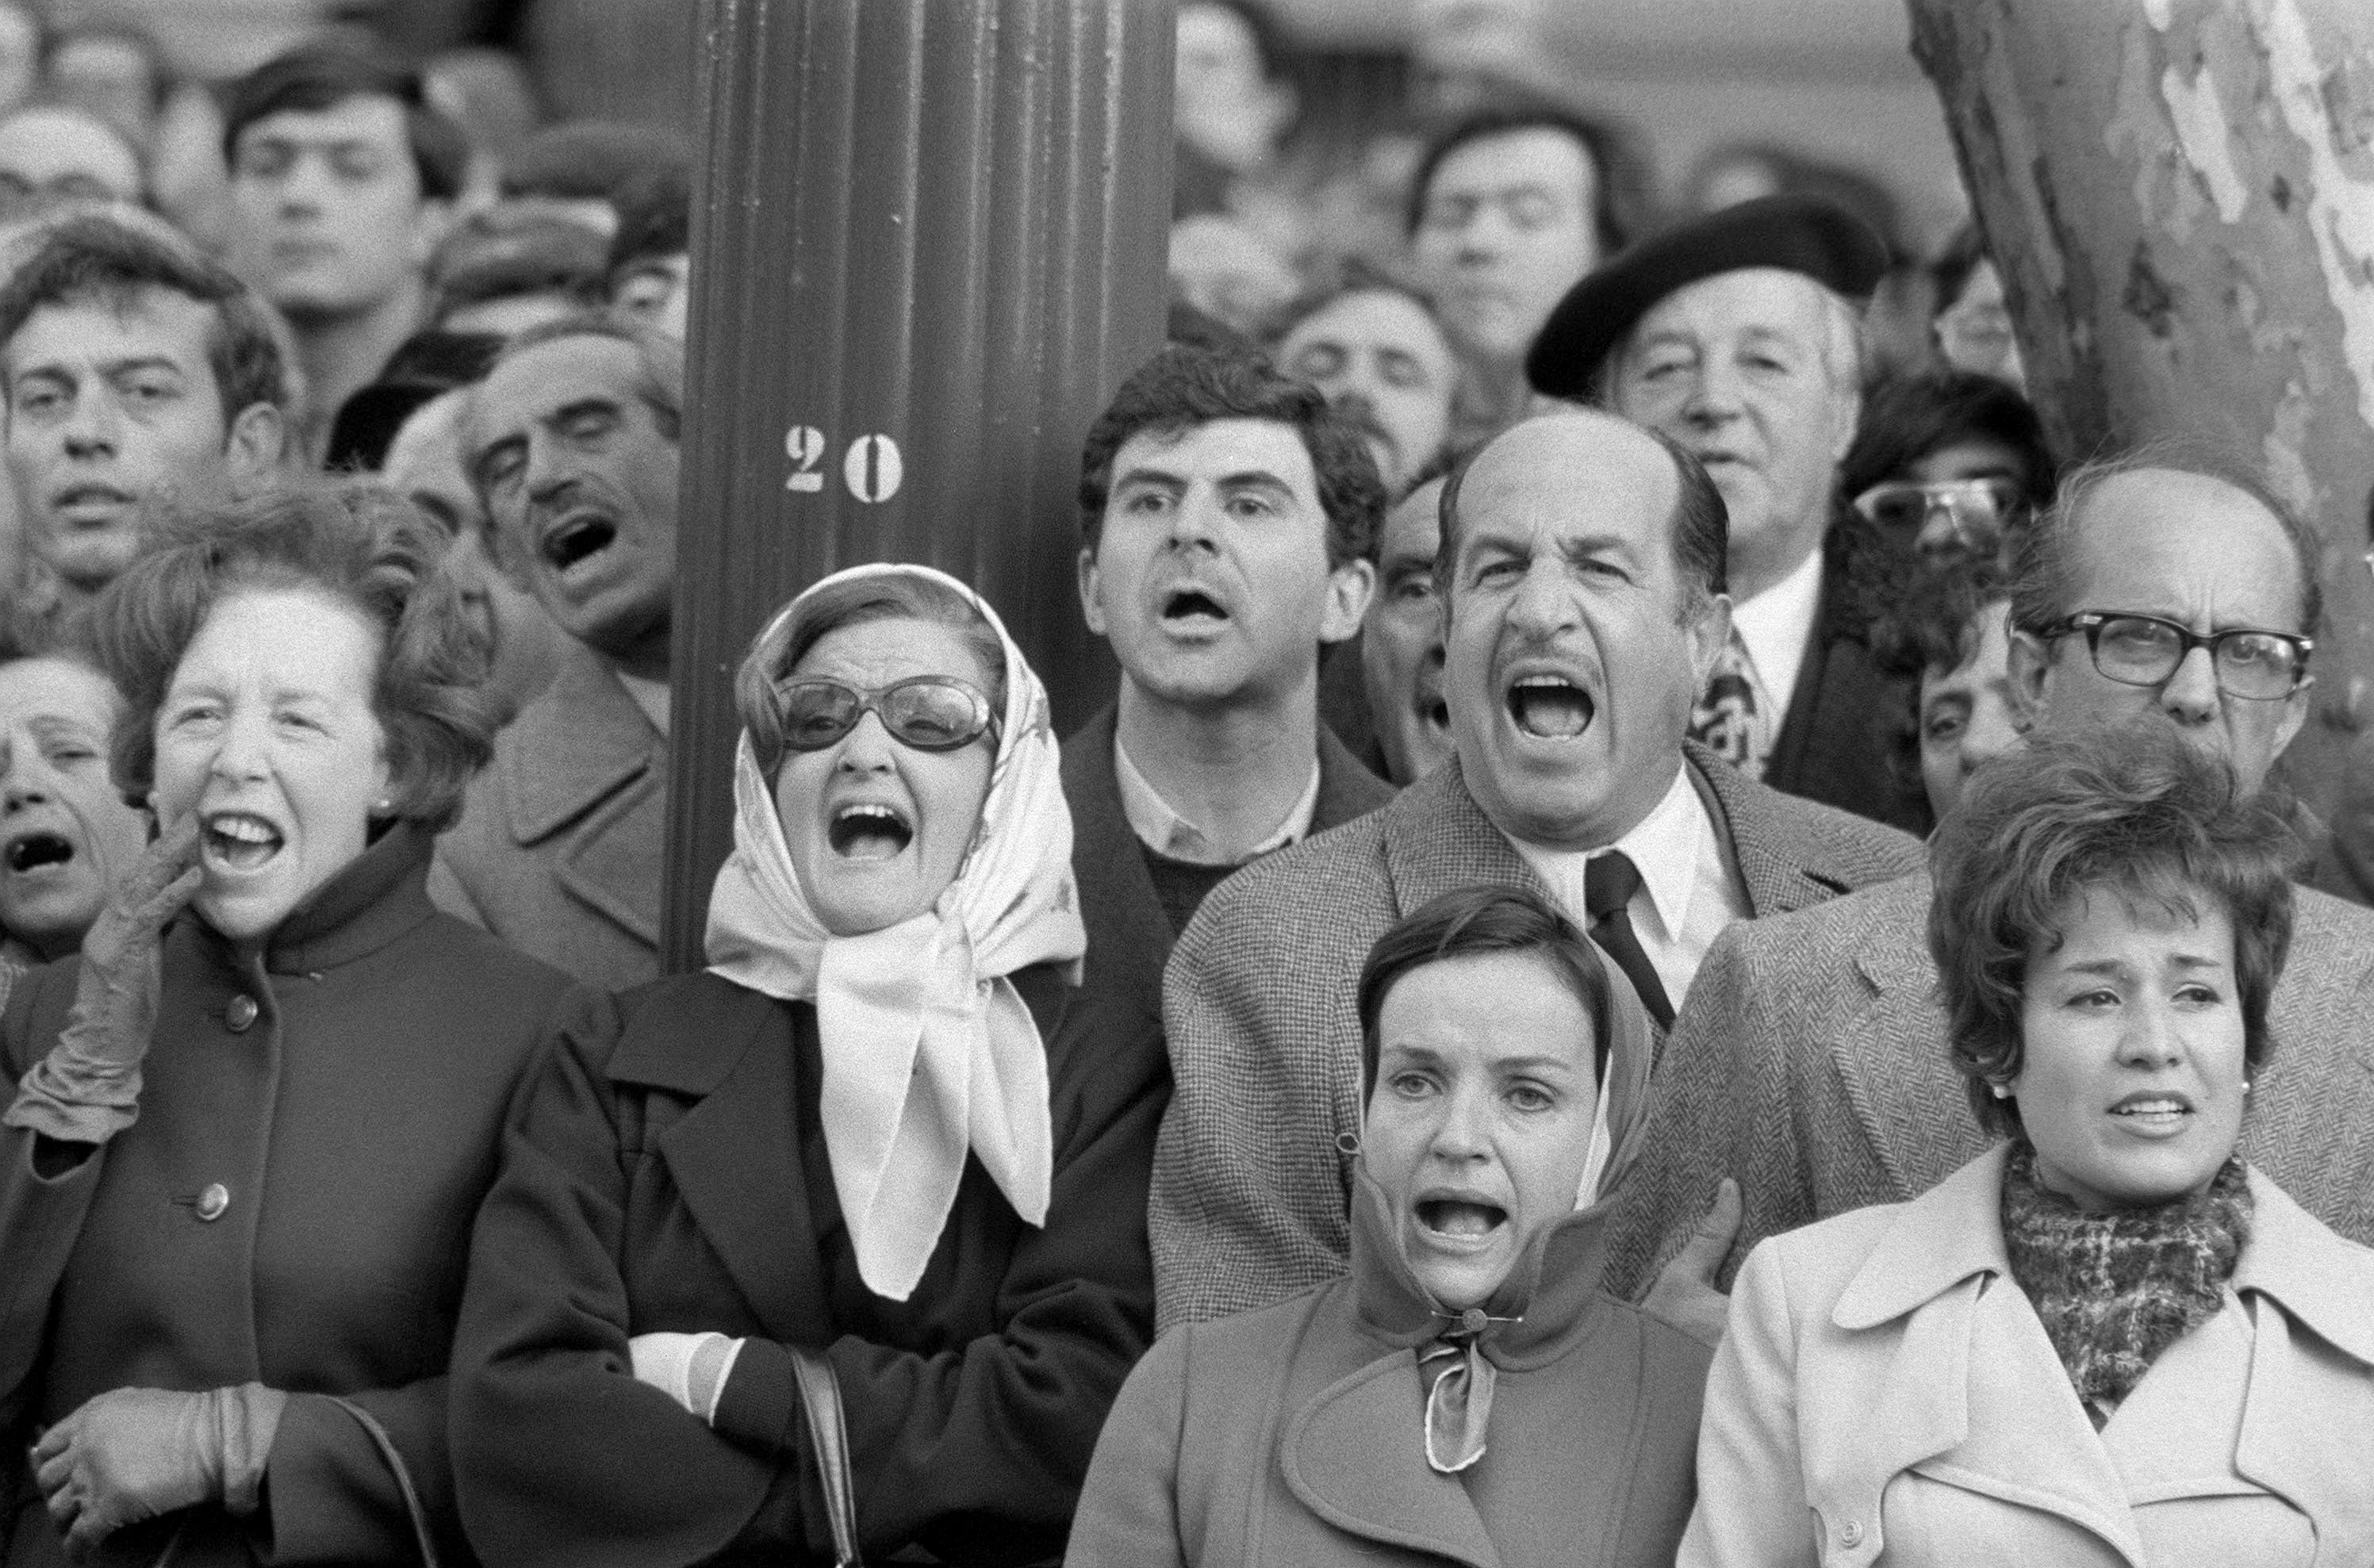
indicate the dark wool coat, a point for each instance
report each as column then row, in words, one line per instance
column 666, row 1169
column 1809, row 1063
column 1129, row 936
column 559, row 845
column 1249, row 1181
column 345, row 1092
column 1839, row 741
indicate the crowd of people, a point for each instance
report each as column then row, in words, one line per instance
column 1678, row 944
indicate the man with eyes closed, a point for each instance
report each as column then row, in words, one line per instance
column 1576, row 635
column 1229, row 515
column 571, row 442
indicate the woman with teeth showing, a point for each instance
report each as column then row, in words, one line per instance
column 882, row 1145
column 2108, row 1341
column 257, row 1113
column 1468, row 1392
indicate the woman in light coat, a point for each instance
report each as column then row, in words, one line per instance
column 2107, row 1341
column 1468, row 1393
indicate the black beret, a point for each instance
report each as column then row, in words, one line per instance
column 1804, row 234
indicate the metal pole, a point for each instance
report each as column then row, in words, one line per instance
column 928, row 244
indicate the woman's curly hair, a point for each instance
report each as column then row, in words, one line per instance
column 2129, row 811
column 361, row 546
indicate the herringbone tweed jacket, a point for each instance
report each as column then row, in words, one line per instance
column 1250, row 1175
column 1809, row 1063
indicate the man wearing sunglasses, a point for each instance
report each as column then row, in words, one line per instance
column 1809, row 1063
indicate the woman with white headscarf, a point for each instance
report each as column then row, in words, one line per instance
column 840, row 1245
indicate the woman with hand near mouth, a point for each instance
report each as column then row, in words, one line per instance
column 1468, row 1392
column 2107, row 1341
column 65, row 833
column 840, row 1245
column 258, row 1111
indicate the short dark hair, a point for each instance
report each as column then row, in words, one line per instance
column 786, row 641
column 95, row 259
column 606, row 161
column 1183, row 387
column 2131, row 812
column 1268, row 42
column 1620, row 204
column 654, row 222
column 2044, row 571
column 1469, row 922
column 1344, row 278
column 315, row 76
column 1699, row 528
column 368, row 548
column 1905, row 418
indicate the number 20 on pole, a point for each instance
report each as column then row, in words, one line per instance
column 873, row 467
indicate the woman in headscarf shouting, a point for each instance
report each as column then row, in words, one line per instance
column 841, row 1244
column 1468, row 1394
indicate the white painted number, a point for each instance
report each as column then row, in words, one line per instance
column 804, row 444
column 874, row 468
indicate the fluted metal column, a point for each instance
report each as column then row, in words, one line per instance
column 928, row 244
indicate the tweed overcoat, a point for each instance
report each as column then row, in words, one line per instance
column 1250, row 1178
column 1809, row 1063
column 1885, row 1396
column 344, row 1091
column 1129, row 936
column 559, row 849
column 664, row 1168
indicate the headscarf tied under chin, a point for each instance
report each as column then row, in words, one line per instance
column 928, row 1050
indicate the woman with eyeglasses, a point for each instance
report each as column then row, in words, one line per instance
column 839, row 1245
column 1946, row 467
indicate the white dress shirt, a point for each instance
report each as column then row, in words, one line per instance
column 1161, row 829
column 1687, row 896
column 1777, row 625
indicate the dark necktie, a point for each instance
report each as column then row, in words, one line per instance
column 1609, row 881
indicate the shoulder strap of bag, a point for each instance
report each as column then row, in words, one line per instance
column 387, row 1451
column 828, row 1436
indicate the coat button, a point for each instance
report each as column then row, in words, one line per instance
column 213, row 1202
column 1851, row 1534
column 240, row 1015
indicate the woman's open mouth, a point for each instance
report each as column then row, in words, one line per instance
column 2152, row 1114
column 869, row 830
column 239, row 841
column 38, row 851
column 1459, row 1222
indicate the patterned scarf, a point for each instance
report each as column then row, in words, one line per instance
column 1458, row 1402
column 2115, row 1290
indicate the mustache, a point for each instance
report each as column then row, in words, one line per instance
column 1361, row 415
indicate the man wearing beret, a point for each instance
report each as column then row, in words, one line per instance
column 1735, row 334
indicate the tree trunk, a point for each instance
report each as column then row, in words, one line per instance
column 928, row 244
column 2180, row 194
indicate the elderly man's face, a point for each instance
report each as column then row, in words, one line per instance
column 2186, row 548
column 65, row 152
column 1749, row 369
column 1505, row 230
column 581, row 478
column 1379, row 356
column 1401, row 642
column 1571, row 665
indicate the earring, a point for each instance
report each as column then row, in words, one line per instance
column 383, row 807
column 2002, row 1091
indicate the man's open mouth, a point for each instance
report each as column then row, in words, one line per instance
column 577, row 538
column 35, row 851
column 239, row 841
column 1460, row 1218
column 868, row 830
column 1550, row 708
column 1182, row 605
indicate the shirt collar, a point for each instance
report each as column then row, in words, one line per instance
column 1663, row 847
column 1163, row 830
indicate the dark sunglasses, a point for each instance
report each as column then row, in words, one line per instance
column 1979, row 510
column 931, row 713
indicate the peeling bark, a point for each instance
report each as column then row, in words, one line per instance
column 2181, row 196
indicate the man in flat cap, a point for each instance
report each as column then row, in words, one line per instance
column 1735, row 334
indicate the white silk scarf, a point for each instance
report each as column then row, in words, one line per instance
column 929, row 1051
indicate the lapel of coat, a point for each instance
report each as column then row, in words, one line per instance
column 1796, row 731
column 1356, row 1457
column 1346, row 788
column 583, row 758
column 1972, row 1393
column 1117, row 898
column 1770, row 861
column 1437, row 838
column 1907, row 1108
column 733, row 1154
column 2307, row 1284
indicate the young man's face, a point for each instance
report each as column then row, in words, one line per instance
column 1210, row 577
column 113, row 407
column 328, row 218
